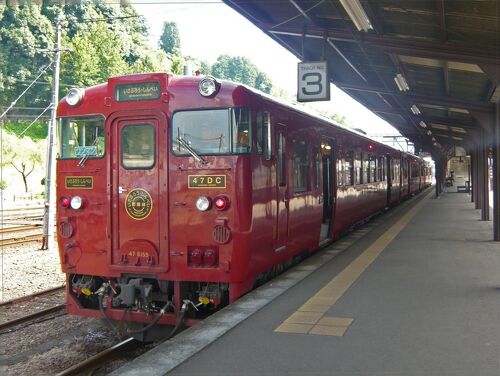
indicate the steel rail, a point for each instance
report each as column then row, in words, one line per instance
column 31, row 296
column 7, row 230
column 21, row 240
column 101, row 358
column 31, row 317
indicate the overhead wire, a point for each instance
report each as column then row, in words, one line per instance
column 34, row 121
column 26, row 90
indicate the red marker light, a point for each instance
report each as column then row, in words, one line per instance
column 195, row 257
column 221, row 202
column 210, row 257
column 65, row 202
column 370, row 147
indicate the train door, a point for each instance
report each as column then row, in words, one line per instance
column 136, row 181
column 282, row 188
column 328, row 166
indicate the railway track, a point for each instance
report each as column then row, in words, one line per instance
column 21, row 239
column 38, row 314
column 100, row 359
column 7, row 230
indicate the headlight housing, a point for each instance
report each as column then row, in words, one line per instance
column 203, row 203
column 76, row 202
column 75, row 96
column 208, row 87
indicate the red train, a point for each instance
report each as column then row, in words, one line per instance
column 175, row 192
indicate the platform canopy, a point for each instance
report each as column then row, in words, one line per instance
column 428, row 67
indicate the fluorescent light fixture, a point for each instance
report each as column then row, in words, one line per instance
column 357, row 14
column 401, row 82
column 422, row 124
column 415, row 110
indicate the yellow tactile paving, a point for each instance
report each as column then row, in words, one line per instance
column 304, row 318
column 294, row 328
column 324, row 330
column 335, row 321
column 309, row 317
column 321, row 308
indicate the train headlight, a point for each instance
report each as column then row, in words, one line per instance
column 75, row 96
column 76, row 202
column 208, row 87
column 203, row 203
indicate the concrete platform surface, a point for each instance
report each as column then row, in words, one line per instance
column 416, row 292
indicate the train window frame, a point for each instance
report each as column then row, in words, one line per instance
column 259, row 132
column 299, row 185
column 268, row 148
column 143, row 167
column 339, row 170
column 281, row 162
column 348, row 164
column 230, row 132
column 59, row 135
column 316, row 169
column 358, row 169
column 365, row 166
column 373, row 168
column 381, row 168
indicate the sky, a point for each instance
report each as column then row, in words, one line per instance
column 209, row 28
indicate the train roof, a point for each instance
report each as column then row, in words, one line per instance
column 312, row 113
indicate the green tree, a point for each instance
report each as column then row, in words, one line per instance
column 241, row 69
column 96, row 56
column 170, row 40
column 23, row 154
column 24, row 32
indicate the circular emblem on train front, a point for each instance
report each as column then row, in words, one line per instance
column 138, row 204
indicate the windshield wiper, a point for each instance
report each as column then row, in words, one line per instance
column 191, row 151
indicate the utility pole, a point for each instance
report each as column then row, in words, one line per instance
column 49, row 213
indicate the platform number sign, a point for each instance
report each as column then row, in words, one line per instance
column 313, row 84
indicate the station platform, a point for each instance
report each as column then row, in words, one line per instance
column 416, row 291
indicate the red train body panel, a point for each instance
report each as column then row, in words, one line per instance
column 167, row 197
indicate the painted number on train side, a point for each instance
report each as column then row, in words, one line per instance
column 206, row 181
column 313, row 84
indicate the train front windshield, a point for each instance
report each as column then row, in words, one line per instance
column 81, row 137
column 212, row 132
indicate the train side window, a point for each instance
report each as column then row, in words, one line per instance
column 138, row 146
column 241, row 130
column 373, row 168
column 340, row 175
column 300, row 166
column 267, row 135
column 381, row 168
column 259, row 132
column 316, row 168
column 348, row 169
column 357, row 168
column 366, row 169
column 281, row 159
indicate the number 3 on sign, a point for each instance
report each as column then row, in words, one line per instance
column 313, row 84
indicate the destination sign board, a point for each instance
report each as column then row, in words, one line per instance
column 79, row 182
column 142, row 91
